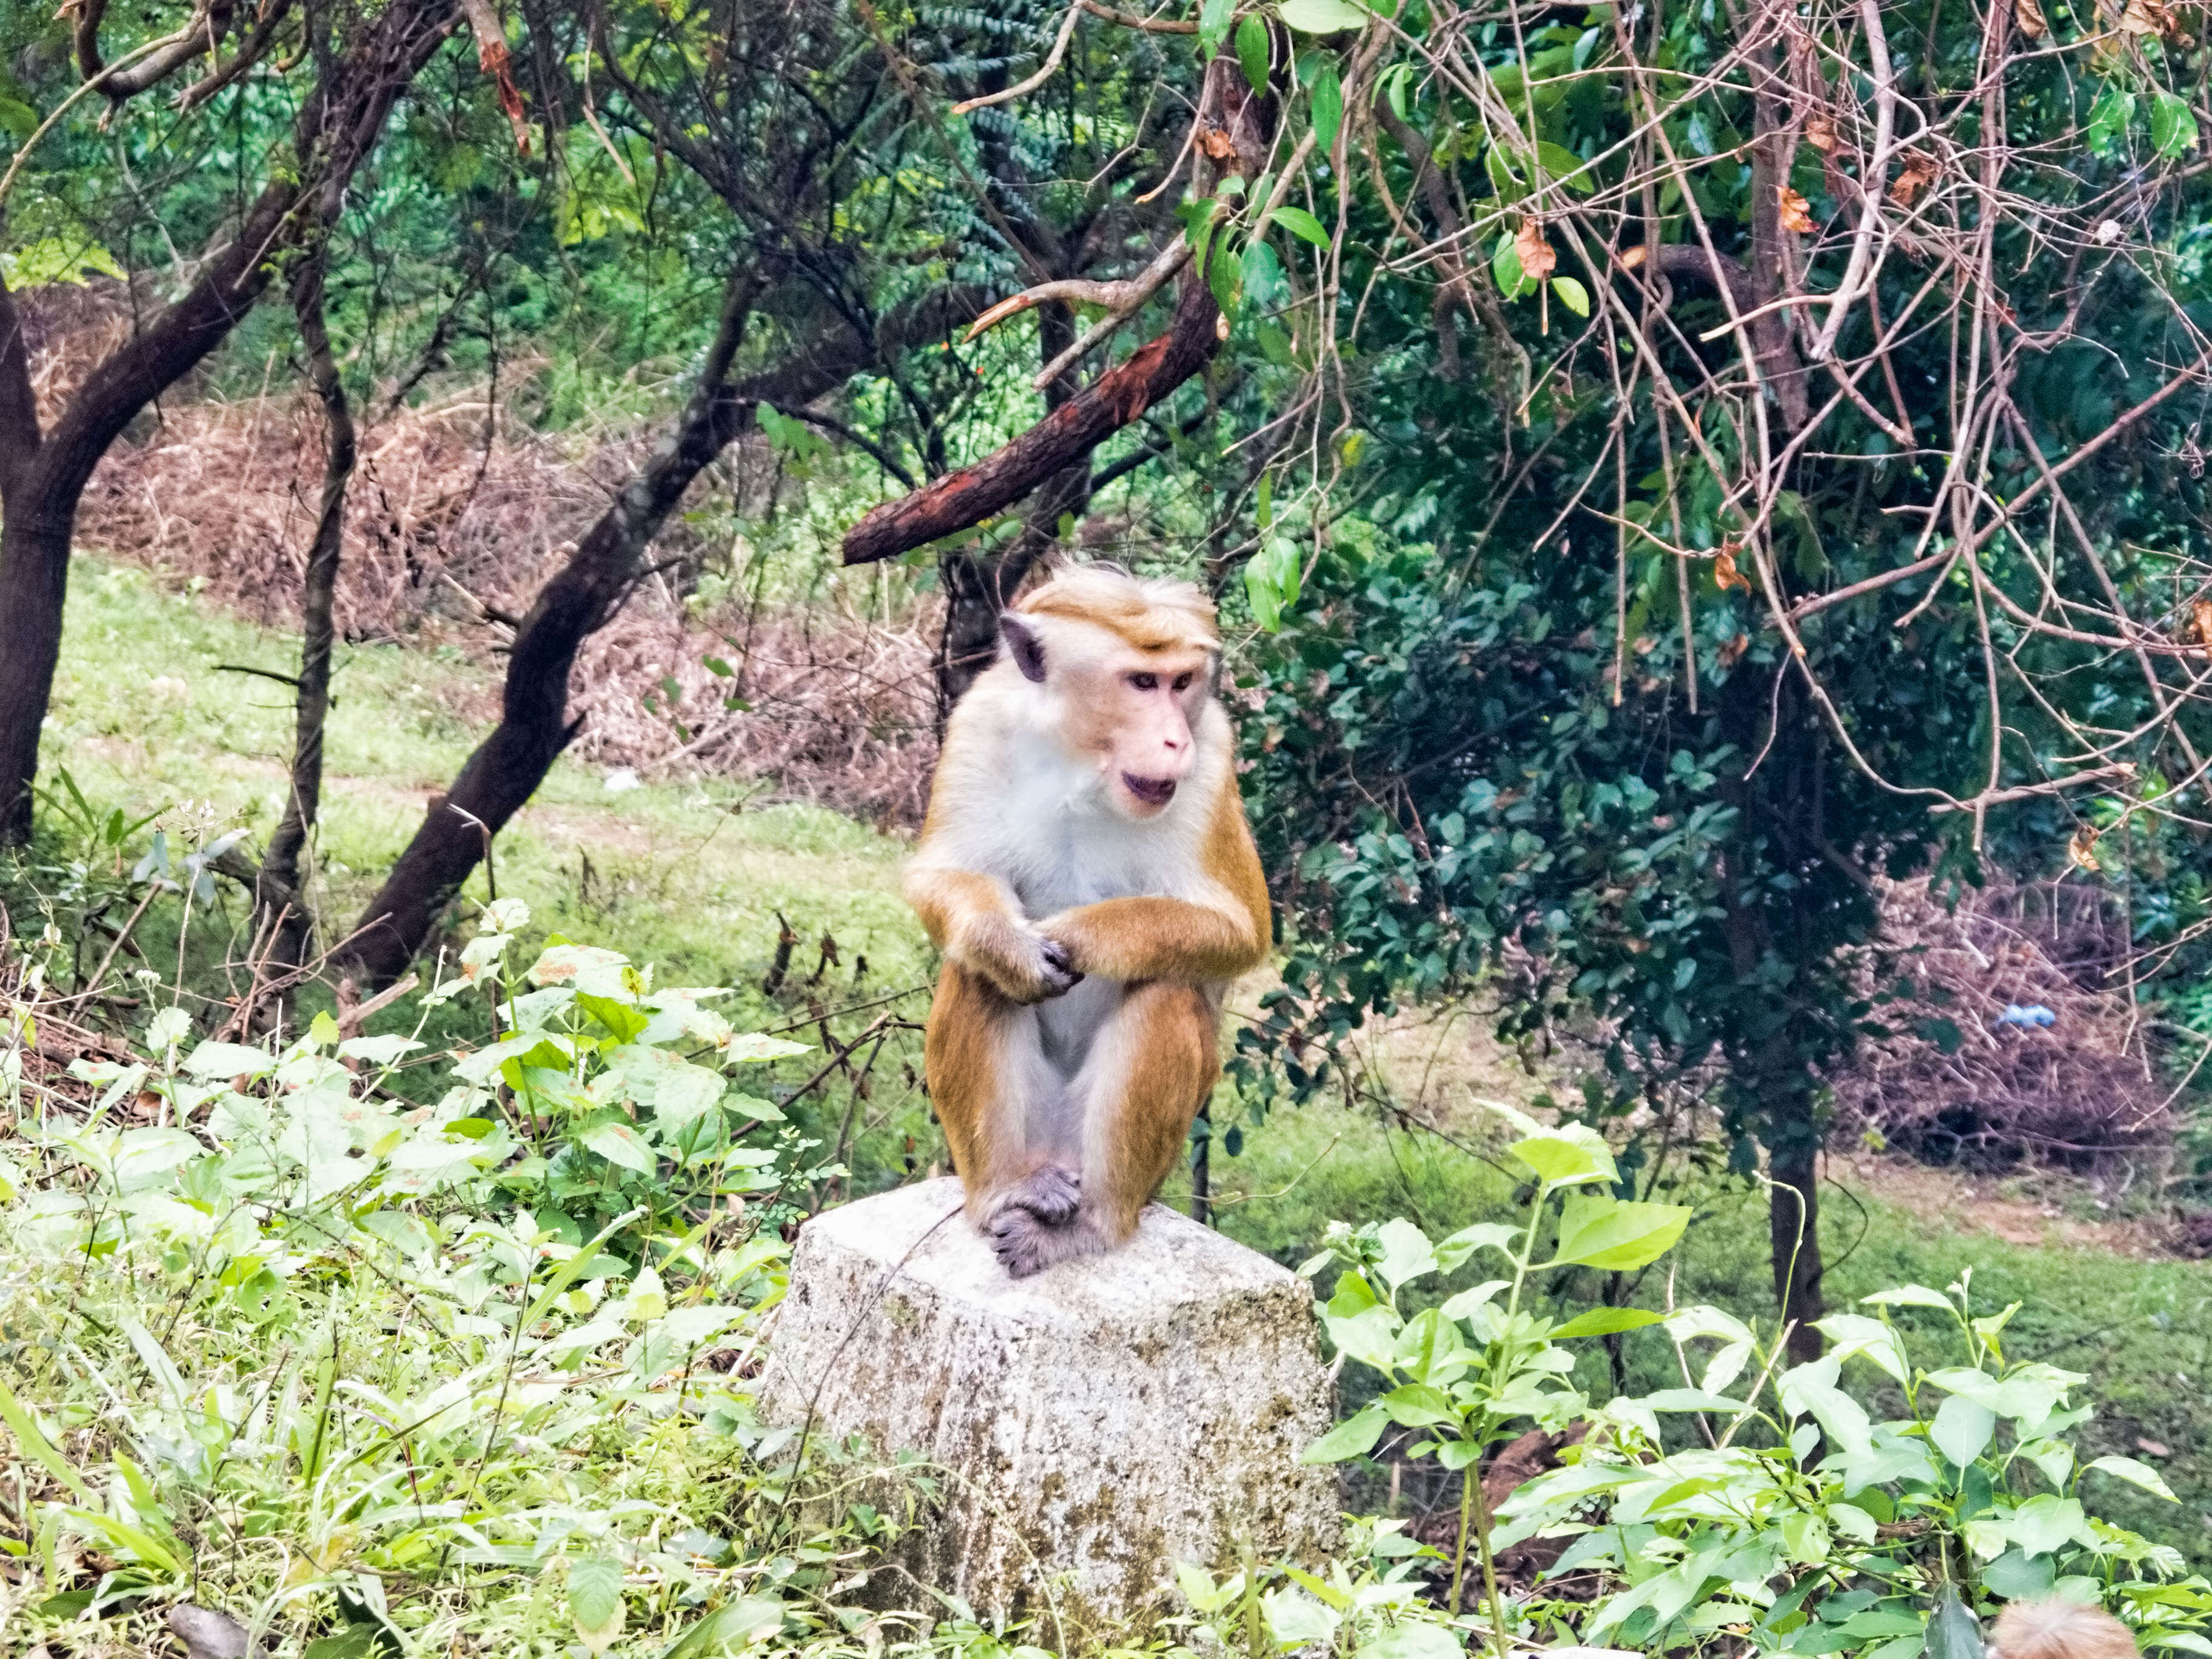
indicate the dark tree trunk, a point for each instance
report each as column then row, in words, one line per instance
column 44, row 476
column 1768, row 1060
column 281, row 910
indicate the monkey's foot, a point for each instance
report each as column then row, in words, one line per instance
column 1025, row 1245
column 1050, row 1193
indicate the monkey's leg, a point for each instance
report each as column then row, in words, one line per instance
column 989, row 1081
column 1149, row 1070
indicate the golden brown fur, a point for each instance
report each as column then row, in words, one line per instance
column 2059, row 1630
column 1087, row 872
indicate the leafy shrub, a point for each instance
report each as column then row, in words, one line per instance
column 1790, row 1521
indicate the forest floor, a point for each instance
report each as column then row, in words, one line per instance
column 700, row 876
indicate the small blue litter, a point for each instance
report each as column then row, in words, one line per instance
column 2034, row 1014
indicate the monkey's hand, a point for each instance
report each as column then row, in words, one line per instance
column 1022, row 963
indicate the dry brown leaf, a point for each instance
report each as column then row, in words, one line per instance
column 2200, row 612
column 1725, row 574
column 2082, row 849
column 1820, row 130
column 2029, row 16
column 1796, row 212
column 1732, row 649
column 1537, row 259
column 1919, row 173
column 1217, row 143
column 2145, row 17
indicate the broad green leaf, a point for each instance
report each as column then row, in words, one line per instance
column 1406, row 1252
column 749, row 1619
column 1855, row 1335
column 1327, row 109
column 1252, row 52
column 1295, row 1619
column 1563, row 165
column 2127, row 1468
column 1506, row 270
column 618, row 1143
column 619, row 1018
column 2046, row 1523
column 1614, row 1234
column 1464, row 1303
column 378, row 1050
column 1213, row 19
column 754, row 1046
column 1909, row 1296
column 1302, row 224
column 1259, row 594
column 1370, row 1336
column 1962, row 1429
column 1604, row 1322
column 1417, row 1405
column 1811, row 1389
column 1686, row 1399
column 1353, row 1437
column 595, row 1600
column 1571, row 295
column 1567, row 1155
column 1322, row 17
column 229, row 1060
column 1953, row 1633
column 1483, row 1236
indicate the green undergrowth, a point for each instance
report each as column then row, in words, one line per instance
column 2142, row 1329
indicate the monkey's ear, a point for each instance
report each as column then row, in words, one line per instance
column 1213, row 674
column 1022, row 644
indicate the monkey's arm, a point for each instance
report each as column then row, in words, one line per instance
column 1174, row 939
column 977, row 922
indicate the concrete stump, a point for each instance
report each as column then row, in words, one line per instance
column 1099, row 1422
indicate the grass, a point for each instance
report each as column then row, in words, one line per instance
column 688, row 876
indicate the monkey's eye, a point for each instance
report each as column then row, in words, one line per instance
column 1145, row 682
column 1182, row 682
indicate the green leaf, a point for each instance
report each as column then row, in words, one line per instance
column 619, row 1018
column 1610, row 1233
column 618, row 1143
column 1505, row 271
column 1604, row 1322
column 1353, row 1437
column 1962, row 1429
column 1411, row 1640
column 1953, row 1633
column 229, row 1060
column 1259, row 592
column 1567, row 1155
column 1252, row 52
column 1483, row 1236
column 1417, row 1405
column 747, row 1619
column 1909, row 1296
column 2141, row 1475
column 1327, row 108
column 2172, row 127
column 1405, row 1252
column 1322, row 17
column 1563, row 165
column 1300, row 223
column 595, row 1600
column 1571, row 295
column 1213, row 19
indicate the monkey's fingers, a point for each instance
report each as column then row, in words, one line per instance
column 1060, row 974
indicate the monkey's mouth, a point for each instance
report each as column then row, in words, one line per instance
column 1153, row 791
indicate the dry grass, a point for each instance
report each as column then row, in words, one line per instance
column 1954, row 1083
column 455, row 517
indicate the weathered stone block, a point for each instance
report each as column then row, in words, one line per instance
column 1100, row 1422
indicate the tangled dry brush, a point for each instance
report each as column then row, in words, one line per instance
column 455, row 517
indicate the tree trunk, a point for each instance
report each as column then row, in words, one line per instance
column 44, row 476
column 1793, row 1218
column 281, row 908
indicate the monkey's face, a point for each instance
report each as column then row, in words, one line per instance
column 1131, row 713
column 1143, row 709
